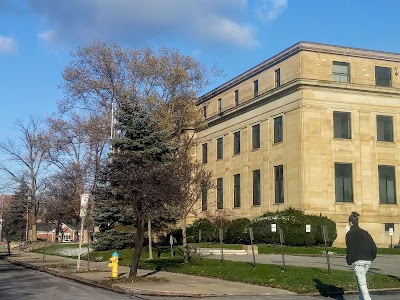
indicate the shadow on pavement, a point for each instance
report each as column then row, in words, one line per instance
column 328, row 290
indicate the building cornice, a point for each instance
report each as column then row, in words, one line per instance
column 300, row 84
column 296, row 48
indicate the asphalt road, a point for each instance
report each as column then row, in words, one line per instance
column 17, row 282
column 20, row 283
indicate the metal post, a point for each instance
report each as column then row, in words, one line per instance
column 252, row 245
column 199, row 243
column 171, row 242
column 282, row 241
column 221, row 237
column 325, row 234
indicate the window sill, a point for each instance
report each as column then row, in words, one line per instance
column 277, row 143
column 342, row 139
column 256, row 205
column 388, row 143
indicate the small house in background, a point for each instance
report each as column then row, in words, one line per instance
column 47, row 232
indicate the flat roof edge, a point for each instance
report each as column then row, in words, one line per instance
column 294, row 49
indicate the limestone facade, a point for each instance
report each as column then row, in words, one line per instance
column 318, row 128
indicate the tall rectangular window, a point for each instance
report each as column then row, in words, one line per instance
column 278, row 129
column 255, row 85
column 279, row 195
column 236, row 143
column 277, row 77
column 340, row 71
column 204, row 200
column 387, row 184
column 220, row 148
column 383, row 76
column 255, row 136
column 236, row 97
column 220, row 193
column 236, row 190
column 220, row 105
column 204, row 153
column 384, row 126
column 256, row 187
column 343, row 182
column 205, row 112
column 341, row 125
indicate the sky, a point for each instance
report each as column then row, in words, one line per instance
column 37, row 37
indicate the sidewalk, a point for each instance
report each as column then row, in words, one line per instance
column 172, row 284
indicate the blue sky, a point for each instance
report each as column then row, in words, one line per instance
column 37, row 37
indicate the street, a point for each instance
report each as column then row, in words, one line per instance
column 17, row 282
column 20, row 283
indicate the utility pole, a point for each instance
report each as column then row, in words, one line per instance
column 1, row 217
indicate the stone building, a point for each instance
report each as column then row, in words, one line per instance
column 317, row 128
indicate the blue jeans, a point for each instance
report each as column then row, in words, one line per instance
column 360, row 268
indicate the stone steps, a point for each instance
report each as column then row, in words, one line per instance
column 217, row 251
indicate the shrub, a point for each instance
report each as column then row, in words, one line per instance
column 209, row 233
column 293, row 222
column 238, row 232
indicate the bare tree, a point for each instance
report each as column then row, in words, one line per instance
column 192, row 181
column 27, row 161
column 100, row 78
column 60, row 202
column 75, row 145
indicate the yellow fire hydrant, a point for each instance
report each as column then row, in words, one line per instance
column 113, row 264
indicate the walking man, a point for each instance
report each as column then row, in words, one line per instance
column 361, row 250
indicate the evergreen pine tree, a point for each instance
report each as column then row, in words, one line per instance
column 14, row 223
column 135, row 184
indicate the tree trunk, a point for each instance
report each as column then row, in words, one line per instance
column 184, row 241
column 139, row 238
column 8, row 247
column 34, row 231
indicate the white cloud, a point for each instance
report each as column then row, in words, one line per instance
column 7, row 45
column 48, row 36
column 271, row 9
column 228, row 32
column 211, row 22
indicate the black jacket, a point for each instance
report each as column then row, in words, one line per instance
column 360, row 245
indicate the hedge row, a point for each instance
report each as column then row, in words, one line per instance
column 292, row 222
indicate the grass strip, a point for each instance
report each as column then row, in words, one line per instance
column 296, row 279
